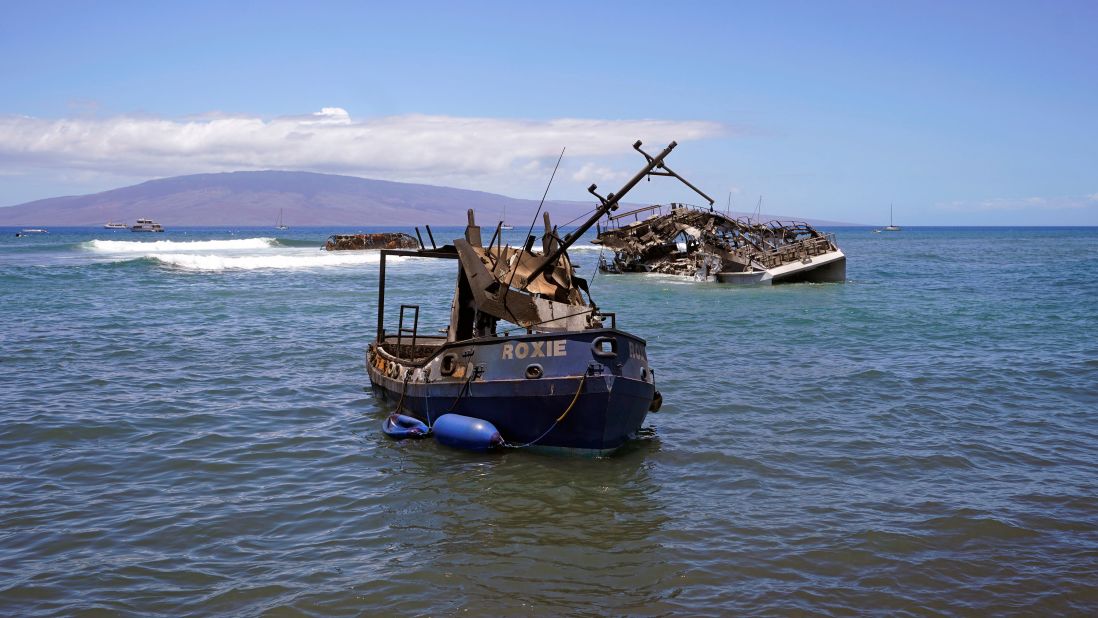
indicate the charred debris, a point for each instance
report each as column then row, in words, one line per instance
column 526, row 349
column 363, row 242
column 708, row 245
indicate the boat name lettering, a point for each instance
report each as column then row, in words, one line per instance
column 534, row 349
column 636, row 351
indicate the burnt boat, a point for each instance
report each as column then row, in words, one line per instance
column 526, row 349
column 708, row 245
column 364, row 242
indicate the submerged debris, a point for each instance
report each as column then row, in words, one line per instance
column 708, row 245
column 360, row 242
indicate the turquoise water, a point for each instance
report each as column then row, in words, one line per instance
column 187, row 429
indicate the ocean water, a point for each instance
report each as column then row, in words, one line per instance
column 187, row 429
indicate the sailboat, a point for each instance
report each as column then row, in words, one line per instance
column 280, row 225
column 503, row 225
column 891, row 227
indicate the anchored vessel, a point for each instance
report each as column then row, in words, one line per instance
column 361, row 242
column 708, row 245
column 146, row 225
column 891, row 227
column 526, row 349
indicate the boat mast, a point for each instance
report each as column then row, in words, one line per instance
column 610, row 203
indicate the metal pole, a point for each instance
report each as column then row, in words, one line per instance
column 610, row 203
column 381, row 300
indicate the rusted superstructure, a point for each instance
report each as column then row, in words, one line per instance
column 526, row 348
column 708, row 245
column 362, row 242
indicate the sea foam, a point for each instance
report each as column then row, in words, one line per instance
column 282, row 261
column 136, row 246
column 587, row 247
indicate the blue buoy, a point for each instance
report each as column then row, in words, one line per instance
column 466, row 432
column 400, row 426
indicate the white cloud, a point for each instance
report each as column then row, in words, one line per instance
column 1021, row 203
column 336, row 115
column 592, row 172
column 410, row 147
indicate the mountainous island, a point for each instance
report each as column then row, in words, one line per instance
column 304, row 199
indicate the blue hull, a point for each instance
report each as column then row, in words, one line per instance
column 615, row 398
column 401, row 426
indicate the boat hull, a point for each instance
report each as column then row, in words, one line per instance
column 829, row 267
column 600, row 396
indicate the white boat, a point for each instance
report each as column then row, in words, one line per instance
column 111, row 225
column 891, row 227
column 827, row 266
column 280, row 225
column 146, row 225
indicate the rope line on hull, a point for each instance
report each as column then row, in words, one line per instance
column 404, row 389
column 583, row 380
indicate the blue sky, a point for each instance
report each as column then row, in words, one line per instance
column 960, row 113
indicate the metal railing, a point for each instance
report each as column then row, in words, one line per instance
column 799, row 250
column 414, row 330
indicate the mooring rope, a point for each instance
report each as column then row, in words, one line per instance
column 598, row 265
column 427, row 403
column 560, row 418
column 427, row 396
column 404, row 389
column 464, row 388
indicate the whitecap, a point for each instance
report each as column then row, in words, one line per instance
column 575, row 248
column 137, row 246
column 213, row 262
column 281, row 261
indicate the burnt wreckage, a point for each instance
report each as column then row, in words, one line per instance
column 363, row 242
column 708, row 245
column 527, row 351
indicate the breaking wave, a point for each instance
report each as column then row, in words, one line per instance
column 136, row 246
column 575, row 248
column 320, row 259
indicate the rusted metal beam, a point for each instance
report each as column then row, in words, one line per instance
column 381, row 298
column 609, row 203
column 635, row 211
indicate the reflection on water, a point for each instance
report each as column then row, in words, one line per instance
column 193, row 436
column 518, row 530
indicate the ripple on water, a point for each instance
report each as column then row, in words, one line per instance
column 917, row 441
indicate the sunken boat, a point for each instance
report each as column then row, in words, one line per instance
column 708, row 245
column 365, row 242
column 526, row 349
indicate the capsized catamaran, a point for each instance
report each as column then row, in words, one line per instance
column 708, row 245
